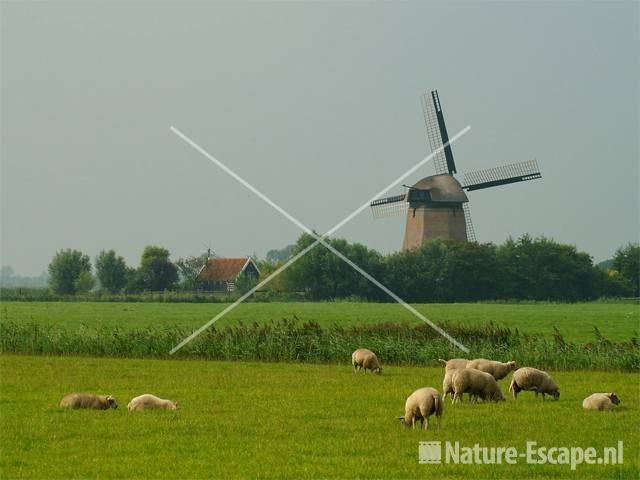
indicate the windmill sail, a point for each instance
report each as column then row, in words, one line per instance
column 437, row 133
column 471, row 233
column 385, row 207
column 492, row 177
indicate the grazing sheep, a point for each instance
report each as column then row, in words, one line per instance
column 88, row 400
column 600, row 401
column 528, row 378
column 498, row 370
column 447, row 384
column 147, row 400
column 454, row 363
column 365, row 359
column 477, row 383
column 420, row 405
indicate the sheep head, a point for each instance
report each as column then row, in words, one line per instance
column 112, row 402
column 614, row 398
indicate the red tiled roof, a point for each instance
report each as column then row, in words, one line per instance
column 222, row 269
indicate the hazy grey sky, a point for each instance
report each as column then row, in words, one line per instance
column 318, row 106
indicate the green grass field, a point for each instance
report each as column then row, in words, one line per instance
column 617, row 321
column 260, row 420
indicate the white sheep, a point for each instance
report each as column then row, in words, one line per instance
column 88, row 400
column 454, row 363
column 478, row 384
column 447, row 384
column 366, row 360
column 498, row 370
column 420, row 405
column 532, row 379
column 148, row 401
column 600, row 401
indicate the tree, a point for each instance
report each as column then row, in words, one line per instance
column 611, row 284
column 189, row 268
column 474, row 273
column 627, row 262
column 156, row 271
column 84, row 283
column 245, row 282
column 133, row 281
column 111, row 271
column 6, row 274
column 65, row 270
column 325, row 276
column 276, row 256
column 420, row 275
column 542, row 269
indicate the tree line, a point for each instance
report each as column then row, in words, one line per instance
column 70, row 272
column 440, row 271
column 448, row 271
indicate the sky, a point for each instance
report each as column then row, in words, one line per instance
column 318, row 106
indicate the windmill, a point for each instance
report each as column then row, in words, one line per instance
column 437, row 207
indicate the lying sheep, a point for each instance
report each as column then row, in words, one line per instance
column 420, row 405
column 365, row 359
column 454, row 363
column 88, row 400
column 477, row 383
column 528, row 378
column 498, row 370
column 600, row 401
column 146, row 401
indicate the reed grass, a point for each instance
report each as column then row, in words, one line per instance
column 291, row 340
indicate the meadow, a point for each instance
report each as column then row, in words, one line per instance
column 266, row 420
column 575, row 321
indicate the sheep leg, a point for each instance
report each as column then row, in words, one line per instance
column 425, row 423
column 413, row 422
column 515, row 389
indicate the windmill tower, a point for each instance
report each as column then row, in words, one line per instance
column 437, row 207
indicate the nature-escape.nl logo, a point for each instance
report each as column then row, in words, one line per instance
column 454, row 453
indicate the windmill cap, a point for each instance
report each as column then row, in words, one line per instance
column 443, row 188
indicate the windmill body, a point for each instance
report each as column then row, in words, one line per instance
column 437, row 207
column 435, row 210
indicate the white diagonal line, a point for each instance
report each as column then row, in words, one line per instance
column 397, row 298
column 396, row 182
column 319, row 239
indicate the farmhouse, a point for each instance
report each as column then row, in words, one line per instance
column 220, row 274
